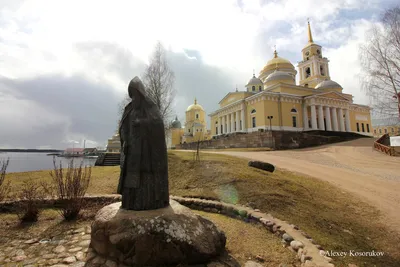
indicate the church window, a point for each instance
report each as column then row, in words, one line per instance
column 307, row 58
column 253, row 111
column 358, row 127
column 309, row 124
column 308, row 72
column 367, row 128
column 253, row 121
column 189, row 130
column 385, row 131
column 362, row 127
column 235, row 126
column 253, row 88
column 201, row 130
column 294, row 121
column 216, row 130
column 260, row 88
column 197, row 116
column 392, row 130
column 380, row 131
column 293, row 110
column 322, row 71
column 374, row 131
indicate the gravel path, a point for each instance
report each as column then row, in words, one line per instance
column 353, row 166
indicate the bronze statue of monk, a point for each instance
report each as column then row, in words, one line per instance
column 143, row 181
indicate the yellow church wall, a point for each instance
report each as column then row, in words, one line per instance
column 191, row 115
column 381, row 130
column 232, row 97
column 287, row 114
column 176, row 135
column 338, row 90
column 294, row 91
column 282, row 81
column 214, row 124
column 271, row 109
column 360, row 118
column 259, row 114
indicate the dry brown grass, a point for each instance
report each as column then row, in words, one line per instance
column 4, row 185
column 246, row 241
column 69, row 186
column 28, row 210
column 335, row 219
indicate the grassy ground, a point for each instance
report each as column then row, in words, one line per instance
column 335, row 219
column 245, row 242
column 239, row 149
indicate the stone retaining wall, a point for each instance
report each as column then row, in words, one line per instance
column 308, row 252
column 280, row 140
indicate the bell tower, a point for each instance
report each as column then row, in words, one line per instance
column 314, row 68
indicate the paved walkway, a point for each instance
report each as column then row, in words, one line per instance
column 353, row 166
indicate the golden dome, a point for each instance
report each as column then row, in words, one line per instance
column 194, row 106
column 277, row 63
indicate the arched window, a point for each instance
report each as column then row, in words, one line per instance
column 308, row 72
column 321, row 69
column 197, row 116
column 293, row 110
column 253, row 120
column 260, row 88
column 189, row 130
column 253, row 111
column 253, row 88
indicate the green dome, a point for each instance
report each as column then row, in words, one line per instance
column 176, row 123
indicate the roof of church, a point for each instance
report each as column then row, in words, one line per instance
column 254, row 81
column 279, row 75
column 176, row 123
column 194, row 106
column 328, row 84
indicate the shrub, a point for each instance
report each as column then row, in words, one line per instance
column 31, row 193
column 5, row 187
column 70, row 186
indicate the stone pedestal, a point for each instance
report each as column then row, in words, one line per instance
column 167, row 236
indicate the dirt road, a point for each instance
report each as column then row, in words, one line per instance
column 353, row 166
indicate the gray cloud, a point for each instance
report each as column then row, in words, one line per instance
column 47, row 110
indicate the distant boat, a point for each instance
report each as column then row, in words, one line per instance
column 53, row 154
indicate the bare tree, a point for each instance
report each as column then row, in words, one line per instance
column 380, row 58
column 121, row 105
column 159, row 81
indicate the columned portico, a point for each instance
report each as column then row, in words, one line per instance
column 237, row 121
column 341, row 120
column 223, row 125
column 313, row 118
column 220, row 125
column 328, row 119
column 334, row 119
column 348, row 127
column 321, row 125
column 243, row 127
column 305, row 117
column 232, row 123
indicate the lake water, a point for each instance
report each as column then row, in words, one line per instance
column 23, row 162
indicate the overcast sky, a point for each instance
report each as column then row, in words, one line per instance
column 65, row 65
